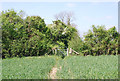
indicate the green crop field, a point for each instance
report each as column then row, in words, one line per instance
column 89, row 67
column 71, row 67
column 27, row 68
column 0, row 69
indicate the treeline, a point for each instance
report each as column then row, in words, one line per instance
column 98, row 41
column 30, row 36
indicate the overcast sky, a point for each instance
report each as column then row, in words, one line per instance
column 86, row 13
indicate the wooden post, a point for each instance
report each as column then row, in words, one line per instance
column 75, row 51
column 55, row 51
column 67, row 51
column 52, row 51
column 70, row 51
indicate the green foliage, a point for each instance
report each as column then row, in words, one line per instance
column 61, row 32
column 23, row 37
column 89, row 67
column 10, row 24
column 27, row 68
column 76, row 43
column 100, row 41
column 97, row 41
column 31, row 37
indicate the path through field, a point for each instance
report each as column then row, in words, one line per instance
column 53, row 72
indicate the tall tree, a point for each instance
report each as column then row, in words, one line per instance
column 66, row 17
column 101, row 41
column 11, row 22
column 23, row 37
column 61, row 32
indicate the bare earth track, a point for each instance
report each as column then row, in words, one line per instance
column 53, row 72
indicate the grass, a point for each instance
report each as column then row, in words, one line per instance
column 89, row 67
column 72, row 67
column 0, row 69
column 27, row 68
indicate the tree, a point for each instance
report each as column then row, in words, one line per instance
column 11, row 22
column 101, row 41
column 61, row 32
column 66, row 17
column 23, row 37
